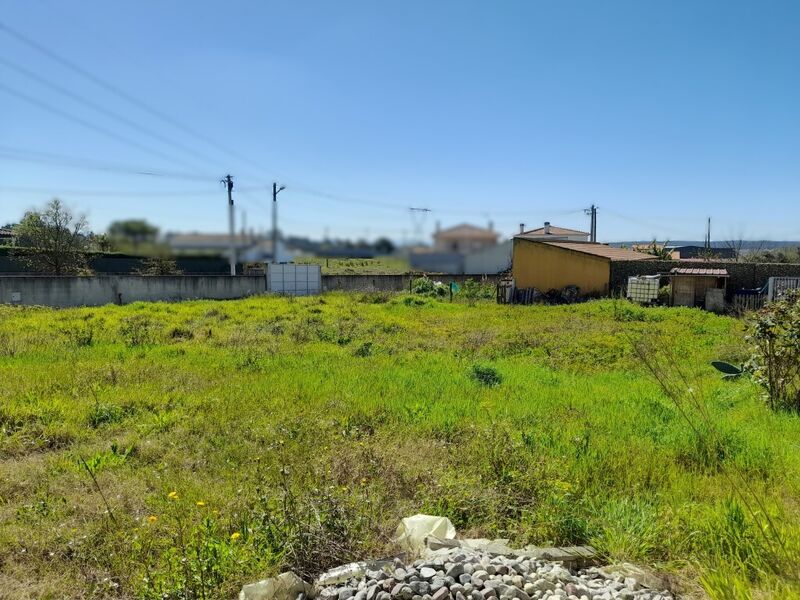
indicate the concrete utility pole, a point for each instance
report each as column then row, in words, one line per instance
column 592, row 210
column 275, row 190
column 227, row 181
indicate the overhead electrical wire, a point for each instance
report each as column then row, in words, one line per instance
column 47, row 158
column 119, row 92
column 155, row 112
column 102, row 110
column 88, row 124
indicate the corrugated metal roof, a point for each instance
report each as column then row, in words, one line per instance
column 697, row 272
column 594, row 249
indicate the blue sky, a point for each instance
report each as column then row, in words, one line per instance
column 660, row 113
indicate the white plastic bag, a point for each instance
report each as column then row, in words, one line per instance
column 412, row 531
column 286, row 586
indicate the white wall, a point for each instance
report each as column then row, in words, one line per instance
column 489, row 261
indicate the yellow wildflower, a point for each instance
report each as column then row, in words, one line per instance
column 172, row 495
column 200, row 503
column 152, row 519
column 235, row 535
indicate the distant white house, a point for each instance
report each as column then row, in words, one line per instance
column 464, row 238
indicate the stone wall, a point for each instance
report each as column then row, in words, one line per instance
column 742, row 275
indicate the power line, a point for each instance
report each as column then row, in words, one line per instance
column 110, row 193
column 120, row 93
column 101, row 109
column 88, row 124
column 46, row 158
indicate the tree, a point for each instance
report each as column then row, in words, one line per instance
column 659, row 251
column 384, row 246
column 133, row 231
column 54, row 240
column 159, row 265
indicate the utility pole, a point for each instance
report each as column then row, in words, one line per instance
column 592, row 210
column 418, row 215
column 708, row 234
column 275, row 190
column 227, row 181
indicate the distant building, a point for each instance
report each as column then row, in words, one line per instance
column 250, row 248
column 552, row 233
column 464, row 238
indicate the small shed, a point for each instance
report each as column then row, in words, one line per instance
column 698, row 287
column 555, row 265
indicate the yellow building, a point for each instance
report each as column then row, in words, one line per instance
column 554, row 265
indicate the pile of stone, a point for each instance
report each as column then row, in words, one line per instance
column 465, row 574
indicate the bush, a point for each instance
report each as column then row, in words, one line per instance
column 486, row 375
column 426, row 287
column 775, row 362
column 158, row 265
column 475, row 290
column 137, row 330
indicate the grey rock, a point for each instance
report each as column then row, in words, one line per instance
column 400, row 574
column 420, row 587
column 464, row 578
column 345, row 593
column 454, row 569
column 488, row 593
column 427, row 573
column 441, row 594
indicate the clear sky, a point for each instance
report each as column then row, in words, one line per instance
column 661, row 113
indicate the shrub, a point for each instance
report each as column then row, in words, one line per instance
column 486, row 375
column 475, row 290
column 137, row 330
column 775, row 362
column 158, row 265
column 424, row 286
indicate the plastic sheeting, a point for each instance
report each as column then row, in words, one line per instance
column 412, row 531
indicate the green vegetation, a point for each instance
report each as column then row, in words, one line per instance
column 181, row 450
column 384, row 265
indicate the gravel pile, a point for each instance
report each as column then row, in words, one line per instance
column 463, row 574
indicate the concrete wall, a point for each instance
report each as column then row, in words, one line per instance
column 547, row 267
column 123, row 289
column 496, row 259
column 742, row 275
column 437, row 262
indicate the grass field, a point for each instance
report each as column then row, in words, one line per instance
column 181, row 450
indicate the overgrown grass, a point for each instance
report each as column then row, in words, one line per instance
column 295, row 433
